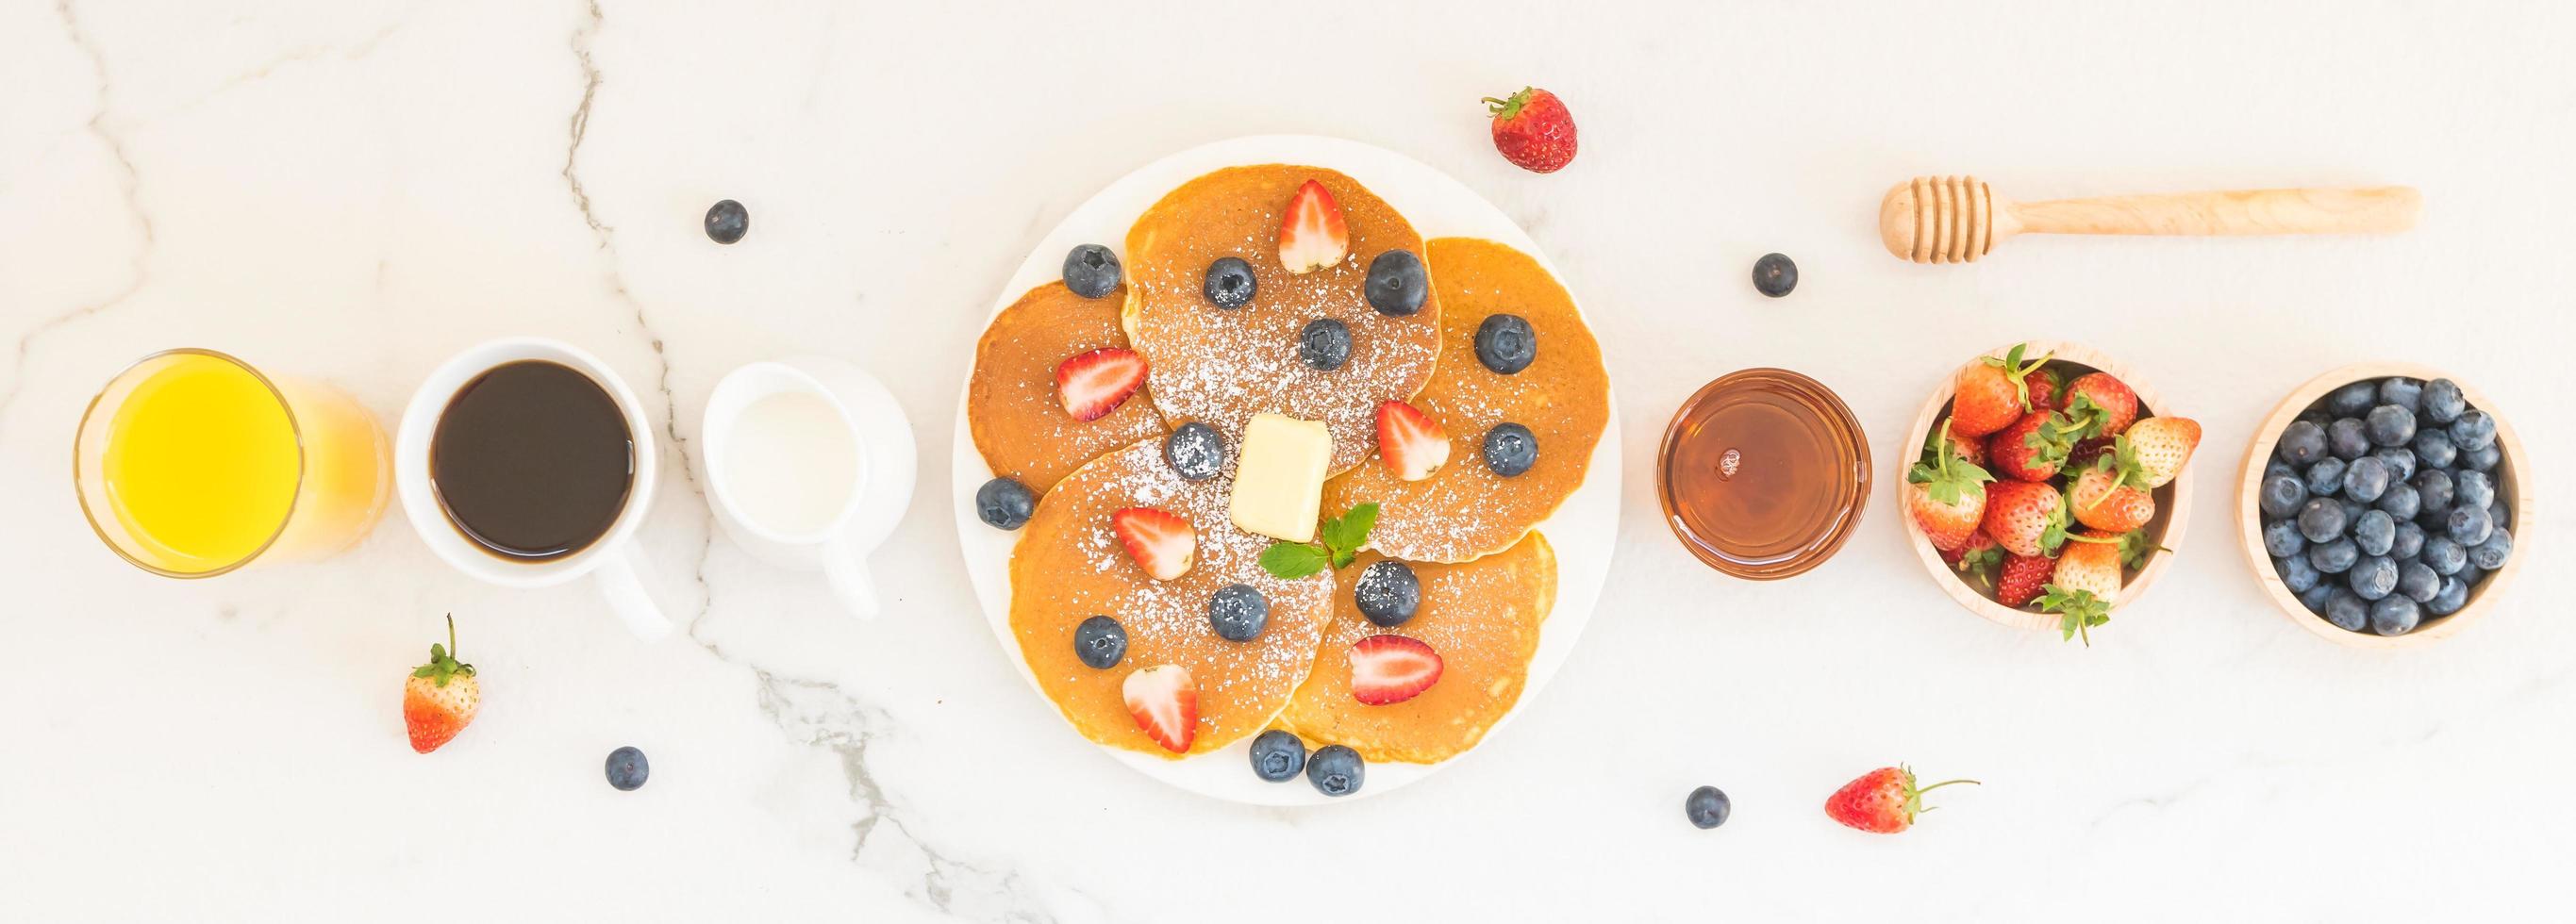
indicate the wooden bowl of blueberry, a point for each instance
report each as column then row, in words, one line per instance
column 2378, row 504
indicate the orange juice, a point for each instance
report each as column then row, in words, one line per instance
column 191, row 464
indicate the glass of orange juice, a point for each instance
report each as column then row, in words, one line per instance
column 190, row 463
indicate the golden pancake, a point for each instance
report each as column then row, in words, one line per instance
column 1070, row 566
column 1465, row 510
column 1019, row 424
column 1482, row 617
column 1223, row 366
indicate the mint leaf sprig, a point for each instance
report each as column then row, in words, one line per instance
column 1338, row 543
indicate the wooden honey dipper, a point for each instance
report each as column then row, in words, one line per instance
column 1951, row 219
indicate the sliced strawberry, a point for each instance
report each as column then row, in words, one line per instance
column 1093, row 384
column 1165, row 701
column 1313, row 236
column 1159, row 540
column 1410, row 443
column 1391, row 669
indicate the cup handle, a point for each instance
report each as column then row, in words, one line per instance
column 846, row 569
column 621, row 583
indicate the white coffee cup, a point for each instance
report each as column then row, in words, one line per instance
column 613, row 557
column 864, row 498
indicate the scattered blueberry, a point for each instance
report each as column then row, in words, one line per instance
column 2318, row 597
column 2353, row 400
column 1397, row 284
column 2453, row 595
column 2365, row 479
column 1090, row 270
column 2346, row 611
column 627, row 768
column 2445, row 556
column 2282, row 539
column 2402, row 501
column 2325, row 479
column 2348, row 438
column 2282, row 494
column 1388, row 593
column 1277, row 756
column 2409, row 545
column 2473, row 430
column 2321, row 520
column 727, row 221
column 1230, row 283
column 2433, row 488
column 2372, row 577
column 2483, row 458
column 2334, row 557
column 2490, row 555
column 1774, row 275
column 1195, row 451
column 1004, row 504
column 2418, row 582
column 1707, row 806
column 2468, row 525
column 2394, row 615
column 1510, row 449
column 1324, row 344
column 1238, row 612
column 2400, row 461
column 2374, row 532
column 2443, row 401
column 1335, row 770
column 2403, row 392
column 1505, row 343
column 2435, row 449
column 2296, row 573
column 2390, row 425
column 2472, row 489
column 1100, row 642
column 2303, row 443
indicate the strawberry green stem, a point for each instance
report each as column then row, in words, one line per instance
column 451, row 635
column 1946, row 783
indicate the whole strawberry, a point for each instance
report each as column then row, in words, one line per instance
column 441, row 697
column 2112, row 495
column 1533, row 130
column 1978, row 558
column 1991, row 393
column 2101, row 404
column 2022, row 577
column 2086, row 583
column 2163, row 445
column 2025, row 517
column 1882, row 801
column 1945, row 495
column 2026, row 450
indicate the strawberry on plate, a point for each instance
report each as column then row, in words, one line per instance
column 1389, row 669
column 2021, row 578
column 1533, row 130
column 1159, row 540
column 1945, row 495
column 1093, row 384
column 440, row 697
column 2163, row 445
column 1313, row 235
column 1165, row 701
column 1412, row 445
column 1882, row 801
column 2025, row 517
column 1991, row 393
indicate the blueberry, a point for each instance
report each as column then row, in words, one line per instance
column 1324, row 344
column 2390, row 425
column 2444, row 556
column 1774, row 275
column 2417, row 582
column 2395, row 615
column 1335, row 770
column 2346, row 611
column 2434, row 489
column 1277, row 756
column 2365, row 479
column 2348, row 438
column 1396, row 283
column 2352, row 510
column 1238, row 613
column 2498, row 515
column 1090, row 270
column 2403, row 392
column 2402, row 501
column 2474, row 430
column 2372, row 577
column 627, row 768
column 1510, row 449
column 1195, row 451
column 2374, row 532
column 2282, row 495
column 1505, row 343
column 2443, row 401
column 2334, row 557
column 1100, row 642
column 2453, row 595
column 1707, row 806
column 2434, row 448
column 1004, row 504
column 1388, row 593
column 2321, row 520
column 2303, row 443
column 2296, row 573
column 2490, row 555
column 1230, row 283
column 2354, row 399
column 2409, row 544
column 2325, row 479
column 2483, row 458
column 2400, row 461
column 2317, row 598
column 727, row 221
column 2468, row 525
column 2282, row 539
column 2472, row 489
column 2279, row 469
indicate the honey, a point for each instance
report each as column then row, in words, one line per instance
column 1763, row 473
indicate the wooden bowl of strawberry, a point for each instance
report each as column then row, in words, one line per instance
column 2048, row 492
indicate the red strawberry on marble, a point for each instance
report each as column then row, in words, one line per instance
column 1533, row 130
column 1882, row 801
column 441, row 697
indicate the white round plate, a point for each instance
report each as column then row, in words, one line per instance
column 1582, row 531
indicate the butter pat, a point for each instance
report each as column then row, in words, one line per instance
column 1279, row 482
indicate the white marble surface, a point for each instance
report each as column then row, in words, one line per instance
column 355, row 189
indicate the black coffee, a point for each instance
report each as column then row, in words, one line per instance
column 532, row 460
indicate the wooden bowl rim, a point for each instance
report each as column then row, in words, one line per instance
column 2249, row 521
column 2175, row 515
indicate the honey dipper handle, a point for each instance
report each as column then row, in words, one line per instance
column 2369, row 210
